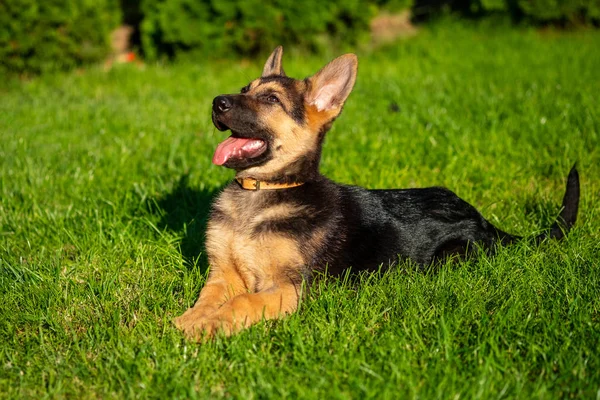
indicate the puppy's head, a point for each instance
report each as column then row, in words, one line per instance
column 277, row 123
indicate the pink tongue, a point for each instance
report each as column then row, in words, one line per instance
column 237, row 148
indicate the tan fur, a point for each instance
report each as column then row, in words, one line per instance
column 247, row 309
column 248, row 210
column 291, row 143
column 292, row 140
column 316, row 119
column 244, row 264
column 257, row 273
column 276, row 212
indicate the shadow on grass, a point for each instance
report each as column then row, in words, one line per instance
column 185, row 210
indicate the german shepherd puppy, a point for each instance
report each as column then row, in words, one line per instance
column 280, row 220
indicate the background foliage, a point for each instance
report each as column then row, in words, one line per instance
column 37, row 36
column 555, row 10
column 248, row 27
column 529, row 11
column 40, row 36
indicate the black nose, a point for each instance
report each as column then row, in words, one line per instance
column 222, row 104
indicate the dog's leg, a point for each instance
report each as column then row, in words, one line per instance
column 249, row 308
column 222, row 285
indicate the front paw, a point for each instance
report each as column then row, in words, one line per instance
column 211, row 326
column 197, row 326
column 191, row 320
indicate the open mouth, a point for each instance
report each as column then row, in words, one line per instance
column 236, row 147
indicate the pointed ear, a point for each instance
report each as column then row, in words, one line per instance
column 273, row 64
column 330, row 87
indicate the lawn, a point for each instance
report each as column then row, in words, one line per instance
column 106, row 180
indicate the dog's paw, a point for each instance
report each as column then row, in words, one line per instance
column 212, row 326
column 190, row 321
column 197, row 326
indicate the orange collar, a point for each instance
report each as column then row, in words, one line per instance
column 253, row 184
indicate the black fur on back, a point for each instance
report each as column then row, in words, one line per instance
column 364, row 229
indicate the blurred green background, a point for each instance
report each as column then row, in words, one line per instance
column 38, row 36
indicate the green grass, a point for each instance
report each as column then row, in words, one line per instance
column 105, row 182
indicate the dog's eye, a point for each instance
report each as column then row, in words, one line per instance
column 272, row 99
column 244, row 89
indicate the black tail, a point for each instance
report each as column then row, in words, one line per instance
column 568, row 215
